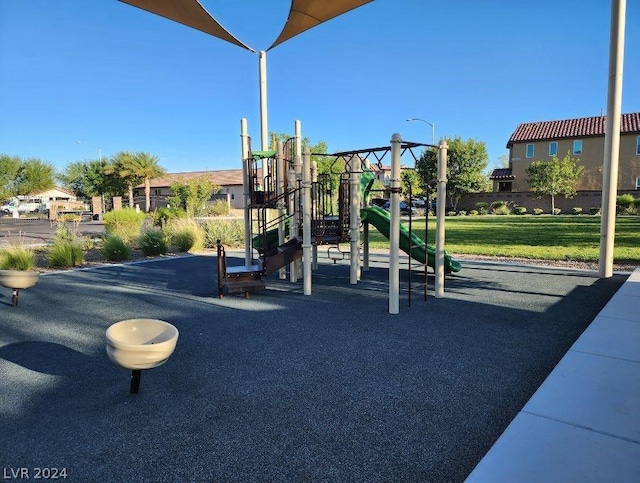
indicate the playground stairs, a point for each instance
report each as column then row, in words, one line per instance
column 245, row 279
column 242, row 279
column 279, row 257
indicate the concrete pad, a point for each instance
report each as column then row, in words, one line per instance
column 536, row 449
column 625, row 306
column 611, row 337
column 591, row 391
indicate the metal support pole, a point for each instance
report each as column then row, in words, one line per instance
column 306, row 227
column 354, row 219
column 612, row 139
column 299, row 218
column 134, row 387
column 394, row 229
column 281, row 169
column 365, row 230
column 440, row 217
column 262, row 72
column 314, row 180
column 248, row 255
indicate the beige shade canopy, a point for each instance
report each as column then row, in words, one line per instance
column 305, row 14
column 190, row 13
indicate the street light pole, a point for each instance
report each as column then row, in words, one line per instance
column 433, row 128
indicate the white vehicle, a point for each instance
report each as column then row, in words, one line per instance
column 26, row 205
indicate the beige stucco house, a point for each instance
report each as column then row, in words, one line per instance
column 583, row 139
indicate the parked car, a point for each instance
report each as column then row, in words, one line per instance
column 404, row 208
column 21, row 206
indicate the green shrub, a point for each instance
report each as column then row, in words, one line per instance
column 576, row 211
column 498, row 204
column 17, row 257
column 473, row 213
column 500, row 210
column 624, row 203
column 557, row 211
column 186, row 234
column 153, row 242
column 520, row 210
column 114, row 249
column 537, row 211
column 63, row 253
column 229, row 232
column 219, row 208
column 462, row 213
column 162, row 216
column 594, row 210
column 451, row 213
column 67, row 248
column 482, row 207
column 125, row 223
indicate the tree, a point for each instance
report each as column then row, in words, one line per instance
column 122, row 165
column 34, row 176
column 466, row 162
column 146, row 167
column 192, row 195
column 91, row 178
column 9, row 167
column 411, row 177
column 555, row 177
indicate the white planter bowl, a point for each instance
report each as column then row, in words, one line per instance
column 141, row 343
column 18, row 278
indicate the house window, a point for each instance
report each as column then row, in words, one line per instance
column 553, row 148
column 529, row 150
column 638, row 183
column 638, row 146
column 577, row 146
column 504, row 186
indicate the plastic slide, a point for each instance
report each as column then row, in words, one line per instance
column 381, row 219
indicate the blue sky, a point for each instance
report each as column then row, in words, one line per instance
column 117, row 78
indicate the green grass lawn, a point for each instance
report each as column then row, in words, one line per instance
column 563, row 237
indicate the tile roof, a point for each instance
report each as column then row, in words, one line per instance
column 571, row 128
column 502, row 173
column 227, row 177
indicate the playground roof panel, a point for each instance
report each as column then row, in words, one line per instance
column 305, row 14
column 190, row 13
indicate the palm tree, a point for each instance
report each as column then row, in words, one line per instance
column 123, row 165
column 146, row 167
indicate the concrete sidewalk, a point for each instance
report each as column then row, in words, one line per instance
column 281, row 386
column 583, row 423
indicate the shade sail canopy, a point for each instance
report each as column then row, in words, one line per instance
column 190, row 13
column 305, row 14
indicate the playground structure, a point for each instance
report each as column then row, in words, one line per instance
column 291, row 210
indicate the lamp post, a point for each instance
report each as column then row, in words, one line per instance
column 433, row 128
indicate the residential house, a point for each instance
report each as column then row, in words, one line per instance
column 230, row 180
column 583, row 139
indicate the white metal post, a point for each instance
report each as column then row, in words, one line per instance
column 281, row 169
column 306, row 226
column 244, row 137
column 612, row 139
column 440, row 217
column 299, row 218
column 354, row 218
column 262, row 73
column 394, row 229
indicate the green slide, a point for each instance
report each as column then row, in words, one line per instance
column 381, row 219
